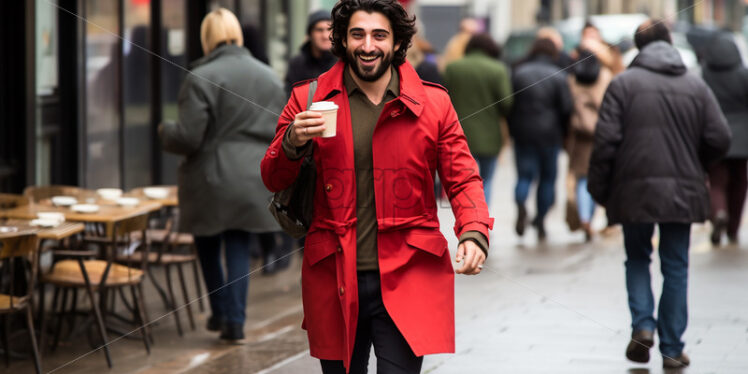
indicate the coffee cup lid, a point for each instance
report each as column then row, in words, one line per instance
column 324, row 105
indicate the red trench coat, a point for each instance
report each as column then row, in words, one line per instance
column 417, row 135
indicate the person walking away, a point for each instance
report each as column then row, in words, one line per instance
column 481, row 93
column 314, row 57
column 376, row 268
column 725, row 74
column 455, row 48
column 227, row 107
column 537, row 124
column 588, row 83
column 592, row 41
column 563, row 60
column 421, row 57
column 658, row 131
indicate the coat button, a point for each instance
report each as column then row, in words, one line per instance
column 342, row 291
column 328, row 187
column 272, row 153
column 340, row 250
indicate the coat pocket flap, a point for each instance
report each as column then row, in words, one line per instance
column 431, row 241
column 318, row 245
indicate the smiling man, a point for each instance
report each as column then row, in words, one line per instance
column 376, row 268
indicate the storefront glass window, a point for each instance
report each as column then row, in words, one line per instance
column 47, row 100
column 102, row 94
column 136, row 93
column 173, row 71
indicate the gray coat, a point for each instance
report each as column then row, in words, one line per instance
column 228, row 109
column 658, row 130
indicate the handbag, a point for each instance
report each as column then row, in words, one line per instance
column 292, row 207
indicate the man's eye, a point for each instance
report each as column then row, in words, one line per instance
column 380, row 36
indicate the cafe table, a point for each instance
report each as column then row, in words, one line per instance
column 169, row 201
column 62, row 231
column 109, row 213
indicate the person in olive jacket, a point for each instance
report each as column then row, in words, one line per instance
column 728, row 78
column 481, row 93
column 658, row 130
column 228, row 106
column 538, row 123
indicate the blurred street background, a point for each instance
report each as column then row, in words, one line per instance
column 85, row 84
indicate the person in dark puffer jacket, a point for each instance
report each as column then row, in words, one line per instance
column 657, row 132
column 538, row 123
column 728, row 78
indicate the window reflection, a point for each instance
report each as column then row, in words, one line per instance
column 173, row 49
column 102, row 88
column 136, row 93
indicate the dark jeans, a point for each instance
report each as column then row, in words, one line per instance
column 536, row 162
column 728, row 183
column 394, row 355
column 228, row 292
column 672, row 313
column 486, row 168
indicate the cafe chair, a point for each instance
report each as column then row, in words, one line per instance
column 165, row 252
column 18, row 252
column 39, row 193
column 10, row 201
column 102, row 276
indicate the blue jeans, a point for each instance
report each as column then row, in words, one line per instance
column 486, row 168
column 536, row 162
column 672, row 312
column 585, row 203
column 228, row 293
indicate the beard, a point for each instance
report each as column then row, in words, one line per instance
column 369, row 73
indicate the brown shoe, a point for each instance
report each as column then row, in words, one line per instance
column 676, row 362
column 638, row 348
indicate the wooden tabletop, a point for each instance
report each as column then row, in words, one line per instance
column 62, row 231
column 108, row 213
column 169, row 201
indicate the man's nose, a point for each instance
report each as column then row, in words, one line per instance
column 368, row 45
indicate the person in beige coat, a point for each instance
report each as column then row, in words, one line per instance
column 587, row 84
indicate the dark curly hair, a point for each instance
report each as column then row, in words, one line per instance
column 403, row 25
column 484, row 42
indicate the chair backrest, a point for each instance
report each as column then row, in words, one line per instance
column 123, row 235
column 10, row 201
column 13, row 250
column 132, row 224
column 38, row 193
column 22, row 244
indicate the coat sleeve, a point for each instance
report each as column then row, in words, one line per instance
column 278, row 171
column 715, row 138
column 608, row 136
column 186, row 135
column 458, row 173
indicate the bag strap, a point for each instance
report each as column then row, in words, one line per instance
column 312, row 89
column 310, row 96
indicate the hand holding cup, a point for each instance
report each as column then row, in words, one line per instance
column 320, row 120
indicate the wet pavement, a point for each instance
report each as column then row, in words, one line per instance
column 554, row 307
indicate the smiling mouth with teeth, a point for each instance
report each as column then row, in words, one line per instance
column 368, row 58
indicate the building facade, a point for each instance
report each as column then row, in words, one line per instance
column 85, row 83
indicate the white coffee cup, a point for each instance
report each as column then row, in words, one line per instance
column 329, row 111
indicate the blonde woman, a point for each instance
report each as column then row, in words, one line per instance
column 228, row 107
